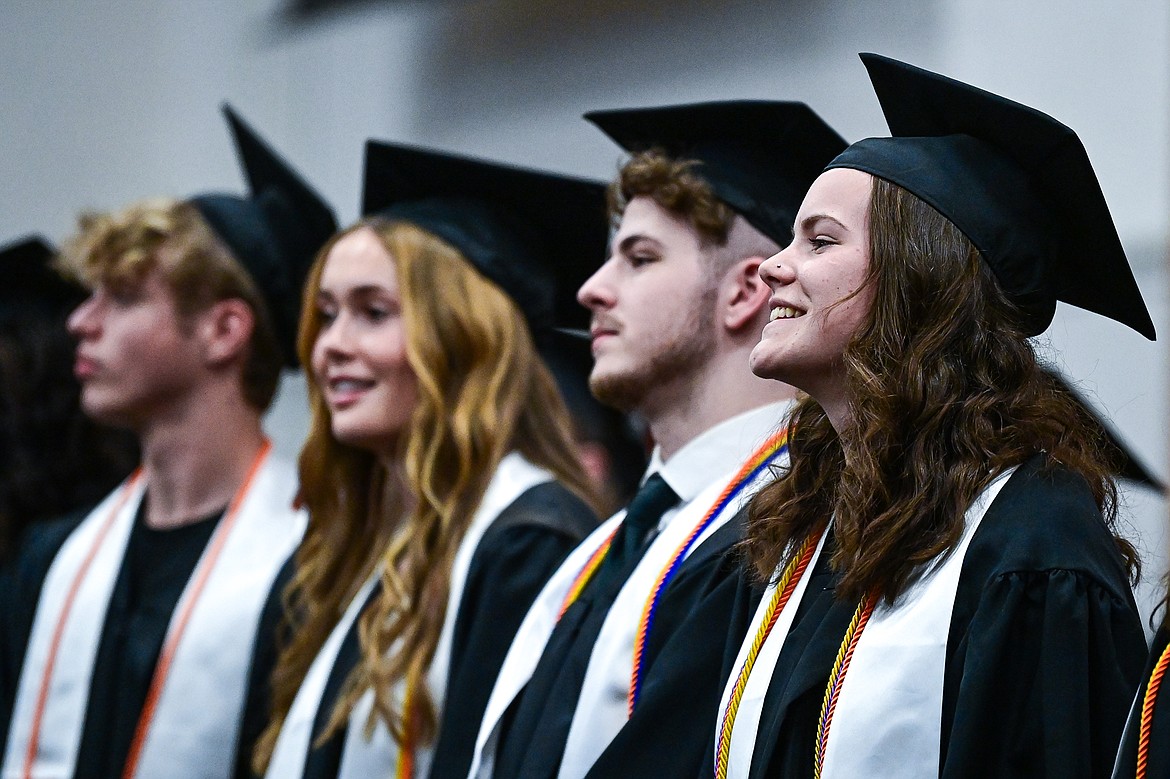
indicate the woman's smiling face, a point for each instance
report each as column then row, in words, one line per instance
column 360, row 358
column 817, row 299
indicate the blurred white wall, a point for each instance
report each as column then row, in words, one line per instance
column 105, row 102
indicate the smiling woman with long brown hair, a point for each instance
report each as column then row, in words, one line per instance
column 944, row 591
column 439, row 472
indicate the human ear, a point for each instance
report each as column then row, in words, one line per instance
column 226, row 328
column 744, row 293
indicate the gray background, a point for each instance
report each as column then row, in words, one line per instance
column 105, row 102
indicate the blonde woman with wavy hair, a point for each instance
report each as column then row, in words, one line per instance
column 439, row 473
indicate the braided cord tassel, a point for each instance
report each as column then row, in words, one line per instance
column 1148, row 702
column 784, row 588
column 591, row 566
column 760, row 459
column 837, row 679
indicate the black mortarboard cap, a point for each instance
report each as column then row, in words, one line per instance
column 759, row 156
column 1018, row 184
column 536, row 235
column 275, row 232
column 31, row 283
column 1125, row 463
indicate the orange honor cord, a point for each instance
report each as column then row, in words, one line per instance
column 753, row 467
column 591, row 565
column 837, row 679
column 1148, row 703
column 405, row 767
column 175, row 636
column 59, row 631
column 785, row 586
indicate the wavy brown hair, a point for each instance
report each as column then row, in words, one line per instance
column 483, row 391
column 944, row 392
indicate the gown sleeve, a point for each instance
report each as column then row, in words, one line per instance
column 1041, row 681
column 510, row 566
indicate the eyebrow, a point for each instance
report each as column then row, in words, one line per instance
column 627, row 242
column 808, row 222
column 364, row 290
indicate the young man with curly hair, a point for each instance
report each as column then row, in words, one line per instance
column 709, row 194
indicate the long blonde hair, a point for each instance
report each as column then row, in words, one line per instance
column 482, row 392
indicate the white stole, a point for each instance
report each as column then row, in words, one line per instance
column 603, row 708
column 529, row 643
column 888, row 717
column 379, row 755
column 888, row 720
column 751, row 706
column 195, row 725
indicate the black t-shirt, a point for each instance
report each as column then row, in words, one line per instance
column 156, row 569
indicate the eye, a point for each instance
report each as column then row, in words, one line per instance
column 638, row 259
column 326, row 314
column 376, row 313
column 820, row 242
column 123, row 294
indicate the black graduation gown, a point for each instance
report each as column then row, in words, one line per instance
column 702, row 613
column 20, row 588
column 1043, row 656
column 270, row 636
column 521, row 549
column 143, row 600
column 1158, row 757
column 681, row 679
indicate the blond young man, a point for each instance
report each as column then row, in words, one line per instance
column 133, row 629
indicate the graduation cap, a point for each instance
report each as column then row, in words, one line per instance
column 1126, row 463
column 274, row 232
column 31, row 284
column 1018, row 184
column 758, row 156
column 536, row 235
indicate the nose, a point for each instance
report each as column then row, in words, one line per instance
column 334, row 341
column 597, row 292
column 83, row 322
column 777, row 270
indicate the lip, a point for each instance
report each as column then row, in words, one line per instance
column 339, row 399
column 600, row 330
column 85, row 367
column 599, row 337
column 775, row 304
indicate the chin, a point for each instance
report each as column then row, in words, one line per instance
column 620, row 390
column 362, row 436
column 106, row 412
column 764, row 365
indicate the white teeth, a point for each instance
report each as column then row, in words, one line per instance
column 784, row 312
column 347, row 385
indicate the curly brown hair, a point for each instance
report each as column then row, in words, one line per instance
column 944, row 391
column 674, row 185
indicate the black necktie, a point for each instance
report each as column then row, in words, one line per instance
column 652, row 500
column 535, row 731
